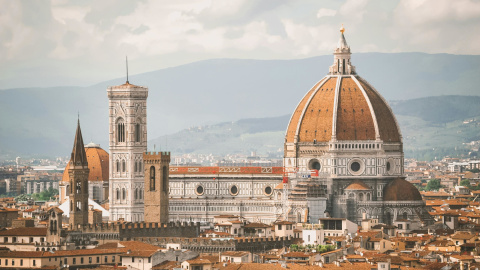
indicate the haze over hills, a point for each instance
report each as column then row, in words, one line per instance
column 42, row 120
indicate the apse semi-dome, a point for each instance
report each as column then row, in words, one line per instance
column 97, row 163
column 401, row 190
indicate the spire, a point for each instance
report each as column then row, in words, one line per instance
column 79, row 157
column 126, row 62
column 341, row 62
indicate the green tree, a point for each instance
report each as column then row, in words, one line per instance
column 293, row 247
column 465, row 183
column 433, row 184
column 22, row 197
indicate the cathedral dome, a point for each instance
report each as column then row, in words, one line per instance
column 401, row 190
column 342, row 106
column 97, row 163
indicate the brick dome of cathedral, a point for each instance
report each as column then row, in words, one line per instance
column 401, row 190
column 342, row 106
column 97, row 159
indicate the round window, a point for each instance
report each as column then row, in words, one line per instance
column 199, row 190
column 314, row 164
column 268, row 190
column 233, row 190
column 355, row 166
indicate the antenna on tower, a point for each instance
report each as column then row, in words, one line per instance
column 126, row 62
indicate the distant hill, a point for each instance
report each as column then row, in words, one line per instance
column 425, row 135
column 42, row 120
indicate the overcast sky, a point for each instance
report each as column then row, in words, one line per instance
column 52, row 43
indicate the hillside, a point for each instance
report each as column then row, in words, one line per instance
column 42, row 120
column 425, row 136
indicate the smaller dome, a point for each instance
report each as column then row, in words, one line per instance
column 401, row 190
column 97, row 163
column 357, row 185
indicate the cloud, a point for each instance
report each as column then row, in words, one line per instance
column 325, row 12
column 78, row 41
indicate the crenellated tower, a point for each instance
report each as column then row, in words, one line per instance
column 78, row 174
column 156, row 186
column 128, row 142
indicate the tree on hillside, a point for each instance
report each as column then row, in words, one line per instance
column 433, row 184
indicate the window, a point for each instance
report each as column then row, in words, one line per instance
column 280, row 226
column 113, row 258
column 136, row 194
column 400, row 226
column 118, row 194
column 137, row 132
column 124, row 194
column 13, row 262
column 34, row 263
column 65, row 261
column 149, row 259
column 98, row 260
column 123, row 166
column 31, row 239
column 133, row 259
column 164, row 178
column 74, row 261
column 120, row 130
column 152, row 178
column 106, row 259
column 89, row 259
column 81, row 260
column 21, row 262
column 118, row 166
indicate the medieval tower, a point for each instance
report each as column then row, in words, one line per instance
column 78, row 174
column 156, row 186
column 128, row 142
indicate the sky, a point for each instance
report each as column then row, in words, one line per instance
column 83, row 42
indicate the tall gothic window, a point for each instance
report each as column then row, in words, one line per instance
column 135, row 169
column 343, row 66
column 120, row 130
column 124, row 194
column 118, row 194
column 164, row 178
column 137, row 132
column 152, row 178
column 136, row 194
column 118, row 166
column 123, row 166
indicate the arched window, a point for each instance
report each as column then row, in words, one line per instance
column 152, row 178
column 120, row 130
column 164, row 178
column 137, row 132
column 343, row 66
column 368, row 196
column 405, row 215
column 360, row 197
column 338, row 65
column 136, row 194
column 124, row 194
column 118, row 194
column 140, row 194
column 118, row 166
column 123, row 166
column 135, row 168
column 78, row 187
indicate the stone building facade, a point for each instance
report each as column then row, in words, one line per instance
column 156, row 183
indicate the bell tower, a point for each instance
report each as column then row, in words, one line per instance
column 127, row 141
column 78, row 175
